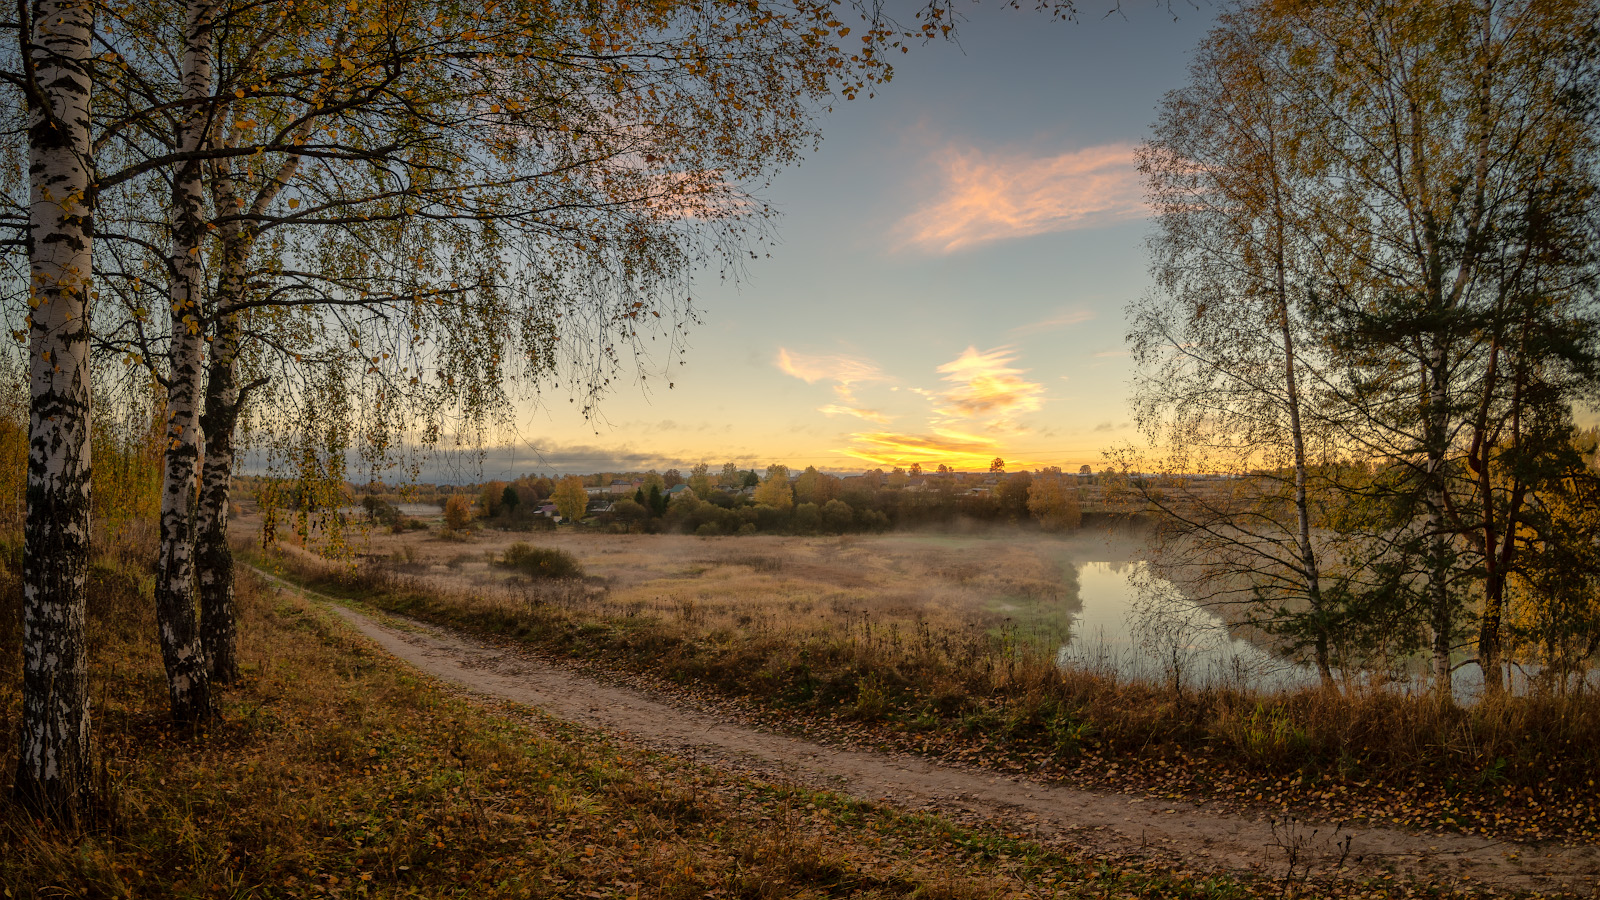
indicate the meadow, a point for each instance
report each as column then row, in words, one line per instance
column 948, row 645
column 334, row 771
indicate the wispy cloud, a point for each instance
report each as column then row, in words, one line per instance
column 994, row 196
column 1059, row 320
column 986, row 385
column 845, row 371
column 871, row 415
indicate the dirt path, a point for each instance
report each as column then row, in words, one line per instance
column 1104, row 822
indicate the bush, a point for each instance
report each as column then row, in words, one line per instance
column 541, row 562
column 807, row 518
column 837, row 517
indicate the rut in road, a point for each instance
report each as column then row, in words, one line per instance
column 1050, row 812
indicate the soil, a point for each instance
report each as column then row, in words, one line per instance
column 1095, row 822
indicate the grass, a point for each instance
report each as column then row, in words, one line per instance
column 336, row 772
column 879, row 650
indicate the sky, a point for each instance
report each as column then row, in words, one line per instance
column 948, row 279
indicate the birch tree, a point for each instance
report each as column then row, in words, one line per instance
column 188, row 676
column 53, row 776
column 1221, row 345
column 451, row 193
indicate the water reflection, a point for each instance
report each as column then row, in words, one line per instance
column 1114, row 631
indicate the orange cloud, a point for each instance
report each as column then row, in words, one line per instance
column 991, row 197
column 958, row 451
column 987, row 385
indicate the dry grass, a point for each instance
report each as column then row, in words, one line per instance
column 944, row 646
column 944, row 584
column 335, row 772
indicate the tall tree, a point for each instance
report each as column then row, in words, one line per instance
column 1386, row 208
column 177, row 622
column 53, row 777
column 774, row 490
column 570, row 498
column 438, row 238
column 1220, row 345
column 1455, row 274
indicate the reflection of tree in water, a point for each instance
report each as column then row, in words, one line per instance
column 1168, row 626
column 1140, row 624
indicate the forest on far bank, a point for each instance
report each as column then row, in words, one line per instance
column 705, row 503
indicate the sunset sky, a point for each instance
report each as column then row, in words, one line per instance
column 949, row 278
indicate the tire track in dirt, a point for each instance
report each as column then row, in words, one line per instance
column 1103, row 822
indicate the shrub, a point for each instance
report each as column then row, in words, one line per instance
column 837, row 517
column 541, row 562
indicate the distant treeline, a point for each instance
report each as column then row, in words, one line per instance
column 734, row 501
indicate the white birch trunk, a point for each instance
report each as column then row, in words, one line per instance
column 224, row 400
column 188, row 683
column 218, row 630
column 53, row 759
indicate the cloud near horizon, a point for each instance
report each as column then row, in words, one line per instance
column 996, row 196
column 970, row 418
column 883, row 448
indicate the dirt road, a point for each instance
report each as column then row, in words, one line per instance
column 1108, row 822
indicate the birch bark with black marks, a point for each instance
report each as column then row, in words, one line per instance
column 188, row 682
column 224, row 399
column 213, row 557
column 1224, row 349
column 53, row 778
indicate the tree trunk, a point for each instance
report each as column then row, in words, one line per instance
column 188, row 684
column 1489, row 646
column 224, row 400
column 218, row 618
column 1302, row 505
column 53, row 751
column 1441, row 616
column 1441, row 611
